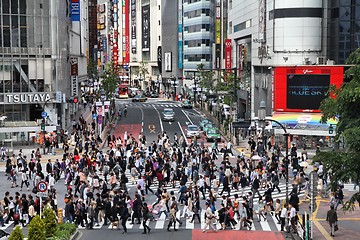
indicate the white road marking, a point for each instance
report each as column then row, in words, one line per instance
column 182, row 131
column 161, row 124
column 187, row 117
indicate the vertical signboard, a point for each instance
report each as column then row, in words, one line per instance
column 133, row 26
column 262, row 19
column 218, row 35
column 168, row 62
column 74, row 76
column 125, row 32
column 228, row 52
column 159, row 59
column 75, row 10
column 145, row 28
column 115, row 35
column 180, row 37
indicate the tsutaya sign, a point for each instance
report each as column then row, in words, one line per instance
column 18, row 98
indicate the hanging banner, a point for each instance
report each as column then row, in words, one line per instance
column 159, row 59
column 228, row 52
column 74, row 76
column 126, row 32
column 180, row 35
column 145, row 28
column 133, row 26
column 168, row 62
column 75, row 10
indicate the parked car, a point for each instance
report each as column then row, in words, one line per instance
column 168, row 114
column 154, row 95
column 203, row 123
column 187, row 104
column 213, row 134
column 192, row 130
column 139, row 98
column 207, row 127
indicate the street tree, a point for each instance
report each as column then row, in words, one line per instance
column 206, row 77
column 344, row 103
column 49, row 219
column 16, row 234
column 110, row 80
column 92, row 70
column 36, row 229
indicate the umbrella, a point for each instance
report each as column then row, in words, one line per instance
column 304, row 164
column 256, row 157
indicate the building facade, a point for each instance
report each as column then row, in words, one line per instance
column 269, row 33
column 39, row 40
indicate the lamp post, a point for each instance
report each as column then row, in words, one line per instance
column 261, row 119
column 196, row 81
column 174, row 84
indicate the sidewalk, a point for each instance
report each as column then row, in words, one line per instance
column 348, row 222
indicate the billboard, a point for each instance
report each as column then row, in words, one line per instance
column 145, row 28
column 301, row 89
column 168, row 61
column 126, row 33
column 228, row 53
column 133, row 26
column 75, row 10
column 180, row 35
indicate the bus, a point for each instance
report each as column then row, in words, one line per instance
column 123, row 90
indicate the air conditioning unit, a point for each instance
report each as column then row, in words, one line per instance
column 330, row 62
column 320, row 61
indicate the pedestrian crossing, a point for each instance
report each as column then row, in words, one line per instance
column 153, row 104
column 132, row 184
column 161, row 223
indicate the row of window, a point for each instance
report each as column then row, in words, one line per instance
column 197, row 57
column 197, row 28
column 197, row 13
column 197, row 43
column 193, row 1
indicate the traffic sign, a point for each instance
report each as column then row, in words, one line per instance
column 42, row 186
column 42, row 194
column 44, row 114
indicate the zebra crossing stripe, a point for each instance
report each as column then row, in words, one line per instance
column 278, row 226
column 202, row 217
column 189, row 225
column 265, row 225
column 160, row 222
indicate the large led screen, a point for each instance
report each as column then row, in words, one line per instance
column 306, row 91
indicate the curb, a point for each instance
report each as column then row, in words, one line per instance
column 76, row 235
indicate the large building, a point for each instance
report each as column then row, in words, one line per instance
column 284, row 48
column 40, row 41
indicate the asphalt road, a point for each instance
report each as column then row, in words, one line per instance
column 146, row 118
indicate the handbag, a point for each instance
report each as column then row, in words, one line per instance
column 16, row 217
column 336, row 227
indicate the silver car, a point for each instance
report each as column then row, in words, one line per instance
column 168, row 114
column 192, row 130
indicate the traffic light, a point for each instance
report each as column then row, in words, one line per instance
column 76, row 99
column 331, row 129
column 42, row 126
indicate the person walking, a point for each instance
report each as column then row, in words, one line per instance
column 172, row 219
column 146, row 216
column 209, row 218
column 331, row 218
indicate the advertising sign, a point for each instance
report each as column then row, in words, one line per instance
column 180, row 35
column 126, row 32
column 228, row 52
column 168, row 62
column 133, row 26
column 159, row 58
column 74, row 76
column 301, row 89
column 145, row 28
column 75, row 10
column 306, row 91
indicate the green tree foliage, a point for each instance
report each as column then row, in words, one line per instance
column 206, row 77
column 49, row 219
column 344, row 103
column 16, row 234
column 92, row 70
column 110, row 80
column 36, row 229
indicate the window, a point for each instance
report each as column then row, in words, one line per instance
column 159, row 22
column 14, row 6
column 6, row 6
column 6, row 29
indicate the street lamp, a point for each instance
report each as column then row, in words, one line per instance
column 261, row 119
column 174, row 84
column 196, row 81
